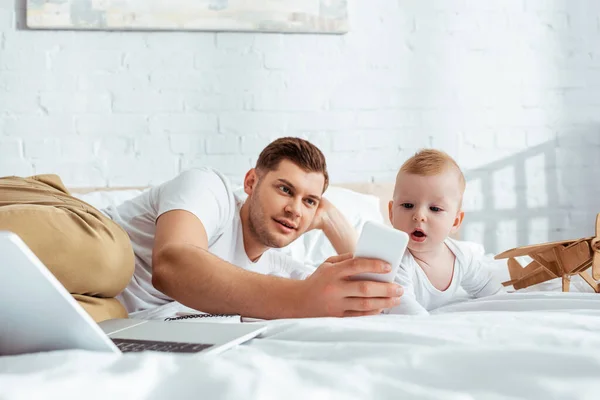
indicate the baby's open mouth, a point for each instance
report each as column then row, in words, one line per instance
column 418, row 235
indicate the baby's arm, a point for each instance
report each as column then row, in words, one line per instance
column 478, row 279
column 408, row 302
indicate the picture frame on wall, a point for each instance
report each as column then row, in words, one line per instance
column 287, row 16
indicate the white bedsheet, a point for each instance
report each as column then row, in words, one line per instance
column 523, row 345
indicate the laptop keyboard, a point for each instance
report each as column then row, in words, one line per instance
column 134, row 345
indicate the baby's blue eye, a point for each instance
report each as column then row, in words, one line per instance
column 406, row 205
column 435, row 209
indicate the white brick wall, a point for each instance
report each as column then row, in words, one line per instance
column 508, row 87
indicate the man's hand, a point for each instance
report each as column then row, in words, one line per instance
column 321, row 215
column 329, row 291
column 335, row 226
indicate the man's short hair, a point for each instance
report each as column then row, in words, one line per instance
column 427, row 162
column 299, row 151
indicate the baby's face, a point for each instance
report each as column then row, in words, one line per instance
column 427, row 208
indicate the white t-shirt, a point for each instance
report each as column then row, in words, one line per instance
column 207, row 194
column 420, row 296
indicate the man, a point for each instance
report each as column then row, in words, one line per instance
column 192, row 241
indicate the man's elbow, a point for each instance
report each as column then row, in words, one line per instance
column 163, row 265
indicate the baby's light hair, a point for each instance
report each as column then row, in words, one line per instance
column 427, row 162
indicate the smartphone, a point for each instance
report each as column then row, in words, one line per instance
column 381, row 242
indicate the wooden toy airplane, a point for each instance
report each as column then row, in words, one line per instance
column 554, row 260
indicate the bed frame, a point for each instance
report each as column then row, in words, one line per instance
column 383, row 191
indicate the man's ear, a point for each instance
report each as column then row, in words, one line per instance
column 390, row 212
column 250, row 181
column 457, row 221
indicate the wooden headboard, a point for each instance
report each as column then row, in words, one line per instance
column 383, row 191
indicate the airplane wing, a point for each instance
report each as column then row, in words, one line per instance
column 531, row 249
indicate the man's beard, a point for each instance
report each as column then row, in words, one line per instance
column 257, row 223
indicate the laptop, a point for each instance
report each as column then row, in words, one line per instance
column 38, row 314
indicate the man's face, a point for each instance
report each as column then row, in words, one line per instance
column 282, row 203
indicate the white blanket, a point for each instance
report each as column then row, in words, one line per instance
column 522, row 345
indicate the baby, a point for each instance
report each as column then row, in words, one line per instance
column 427, row 206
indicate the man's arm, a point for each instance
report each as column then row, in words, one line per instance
column 185, row 270
column 336, row 227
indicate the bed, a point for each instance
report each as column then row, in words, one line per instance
column 535, row 343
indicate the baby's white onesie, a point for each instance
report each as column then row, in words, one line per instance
column 470, row 273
